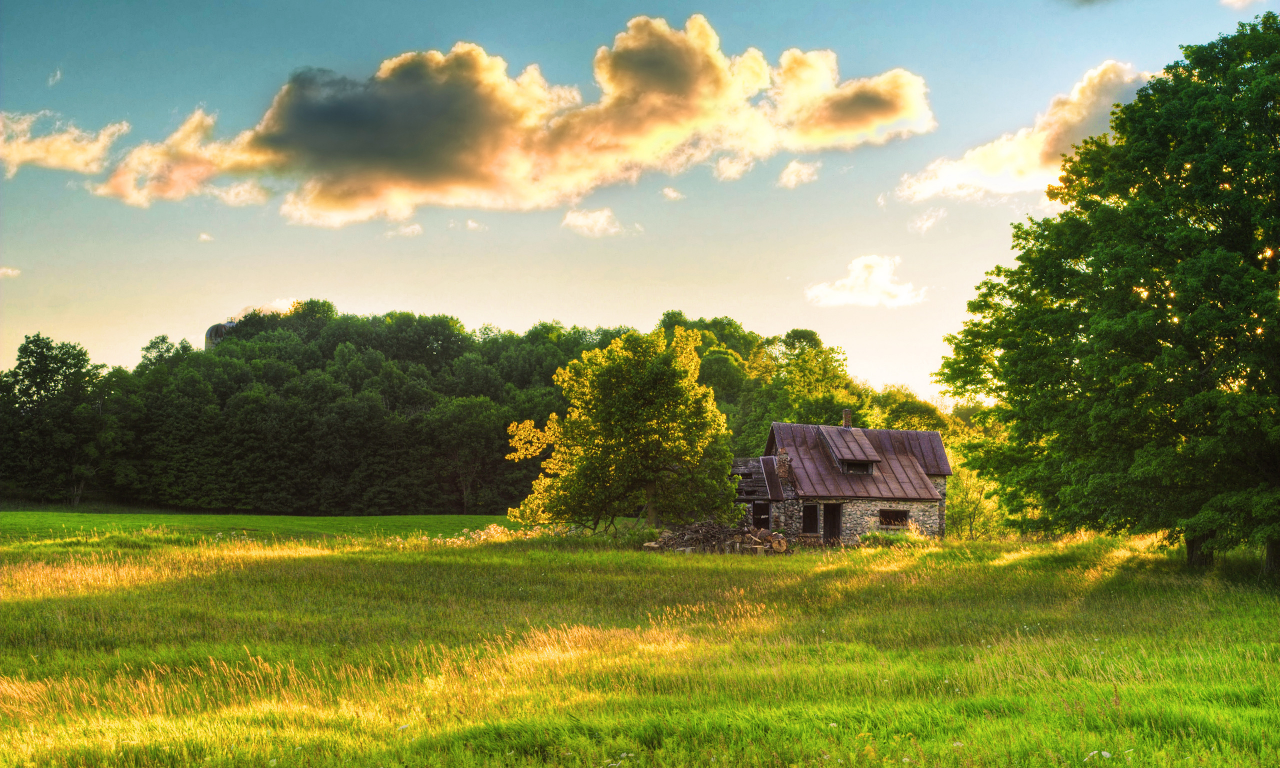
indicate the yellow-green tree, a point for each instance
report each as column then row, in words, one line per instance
column 640, row 435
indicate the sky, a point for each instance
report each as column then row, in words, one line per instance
column 852, row 168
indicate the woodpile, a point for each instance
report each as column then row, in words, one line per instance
column 714, row 538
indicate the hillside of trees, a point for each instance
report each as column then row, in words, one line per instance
column 315, row 412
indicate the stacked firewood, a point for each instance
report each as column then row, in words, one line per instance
column 719, row 539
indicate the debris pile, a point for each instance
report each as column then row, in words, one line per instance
column 720, row 539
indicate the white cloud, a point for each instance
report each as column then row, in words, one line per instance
column 672, row 194
column 1240, row 5
column 927, row 220
column 1030, row 159
column 797, row 173
column 407, row 230
column 880, row 200
column 870, row 283
column 471, row 225
column 277, row 307
column 56, row 77
column 600, row 223
column 66, row 149
column 205, row 237
column 9, row 272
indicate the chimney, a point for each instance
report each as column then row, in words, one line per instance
column 784, row 465
column 848, row 419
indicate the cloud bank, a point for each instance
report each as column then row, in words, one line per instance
column 9, row 272
column 65, row 149
column 456, row 129
column 1030, row 159
column 870, row 283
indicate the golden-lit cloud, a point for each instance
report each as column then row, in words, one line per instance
column 65, row 149
column 205, row 237
column 672, row 194
column 456, row 129
column 1030, row 159
column 9, row 272
column 797, row 173
column 870, row 283
column 601, row 223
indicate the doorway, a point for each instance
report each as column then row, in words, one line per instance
column 831, row 516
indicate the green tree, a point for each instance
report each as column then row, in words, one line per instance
column 640, row 433
column 1133, row 349
column 57, row 436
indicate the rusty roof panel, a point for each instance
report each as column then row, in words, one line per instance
column 925, row 446
column 848, row 444
column 898, row 475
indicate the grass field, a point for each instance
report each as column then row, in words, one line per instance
column 143, row 644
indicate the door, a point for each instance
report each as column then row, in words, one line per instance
column 831, row 516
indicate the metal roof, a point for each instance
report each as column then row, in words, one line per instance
column 899, row 474
column 848, row 444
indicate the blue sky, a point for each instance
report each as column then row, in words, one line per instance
column 870, row 226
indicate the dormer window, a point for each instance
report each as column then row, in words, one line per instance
column 856, row 467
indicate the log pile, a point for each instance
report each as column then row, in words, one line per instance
column 714, row 538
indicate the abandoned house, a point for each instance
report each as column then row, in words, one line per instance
column 819, row 484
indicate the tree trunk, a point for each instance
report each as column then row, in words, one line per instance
column 1197, row 555
column 651, row 514
column 1271, row 561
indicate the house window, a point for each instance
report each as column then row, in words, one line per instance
column 749, row 491
column 760, row 514
column 894, row 518
column 809, row 518
column 857, row 467
column 746, row 475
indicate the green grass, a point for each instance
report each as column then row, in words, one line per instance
column 20, row 521
column 146, row 647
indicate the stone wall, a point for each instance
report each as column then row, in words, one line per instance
column 863, row 516
column 940, row 485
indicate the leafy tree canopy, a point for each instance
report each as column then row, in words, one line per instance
column 640, row 432
column 1132, row 351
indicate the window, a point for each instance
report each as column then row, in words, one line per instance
column 760, row 514
column 749, row 491
column 746, row 475
column 809, row 518
column 894, row 518
column 857, row 467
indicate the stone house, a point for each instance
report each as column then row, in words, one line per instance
column 820, row 484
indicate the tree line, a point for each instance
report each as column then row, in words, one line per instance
column 311, row 411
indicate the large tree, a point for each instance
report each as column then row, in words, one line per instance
column 640, row 433
column 1134, row 350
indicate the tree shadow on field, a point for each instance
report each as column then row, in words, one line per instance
column 333, row 604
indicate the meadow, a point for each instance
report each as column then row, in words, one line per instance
column 158, row 640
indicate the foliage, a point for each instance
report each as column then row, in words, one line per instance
column 640, row 432
column 1132, row 349
column 314, row 412
column 374, row 649
column 54, row 435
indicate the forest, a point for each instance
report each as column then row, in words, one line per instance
column 314, row 412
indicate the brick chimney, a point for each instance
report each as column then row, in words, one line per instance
column 784, row 465
column 848, row 419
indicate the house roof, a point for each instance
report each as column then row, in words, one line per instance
column 903, row 461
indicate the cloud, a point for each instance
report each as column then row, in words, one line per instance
column 277, row 307
column 927, row 220
column 1239, row 5
column 601, row 223
column 205, row 237
column 56, row 77
column 870, row 283
column 471, row 225
column 65, row 149
column 1030, row 159
column 672, row 194
column 797, row 173
column 455, row 129
column 9, row 272
column 404, row 230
